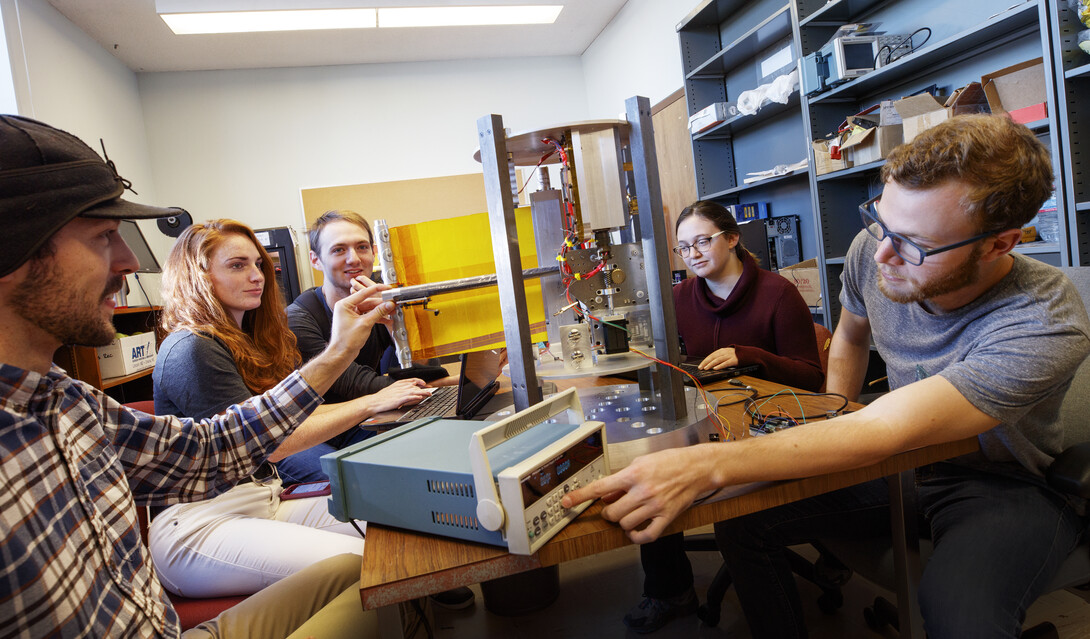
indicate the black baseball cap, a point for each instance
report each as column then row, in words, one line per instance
column 48, row 177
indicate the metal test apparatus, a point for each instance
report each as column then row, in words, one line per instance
column 496, row 483
column 603, row 258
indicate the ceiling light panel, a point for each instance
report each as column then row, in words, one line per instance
column 467, row 16
column 255, row 21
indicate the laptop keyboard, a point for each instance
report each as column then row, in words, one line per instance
column 441, row 402
column 712, row 375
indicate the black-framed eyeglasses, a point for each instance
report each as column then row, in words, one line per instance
column 701, row 245
column 909, row 251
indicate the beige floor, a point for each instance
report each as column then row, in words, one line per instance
column 596, row 592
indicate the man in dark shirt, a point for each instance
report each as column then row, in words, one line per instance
column 341, row 248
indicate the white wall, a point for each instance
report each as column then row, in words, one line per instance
column 64, row 78
column 7, row 82
column 636, row 54
column 242, row 144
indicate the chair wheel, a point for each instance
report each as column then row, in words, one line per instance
column 709, row 616
column 830, row 601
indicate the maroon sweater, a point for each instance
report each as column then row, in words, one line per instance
column 764, row 319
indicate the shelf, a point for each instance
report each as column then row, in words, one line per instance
column 838, row 12
column 1078, row 72
column 771, row 30
column 711, row 13
column 126, row 310
column 834, row 261
column 746, row 187
column 1038, row 126
column 110, row 382
column 986, row 35
column 727, row 128
column 1082, row 207
column 1034, row 248
column 852, row 172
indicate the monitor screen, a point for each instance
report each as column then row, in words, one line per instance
column 859, row 55
column 135, row 239
column 755, row 239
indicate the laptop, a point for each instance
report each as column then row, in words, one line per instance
column 476, row 385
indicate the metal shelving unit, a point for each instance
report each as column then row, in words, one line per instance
column 1072, row 87
column 723, row 43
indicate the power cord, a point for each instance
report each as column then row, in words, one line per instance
column 891, row 52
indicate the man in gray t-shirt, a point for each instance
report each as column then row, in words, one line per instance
column 978, row 342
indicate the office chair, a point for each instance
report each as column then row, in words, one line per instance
column 1069, row 473
column 827, row 573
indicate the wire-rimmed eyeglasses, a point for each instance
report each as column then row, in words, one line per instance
column 701, row 245
column 908, row 250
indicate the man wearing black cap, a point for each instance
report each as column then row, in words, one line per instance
column 74, row 464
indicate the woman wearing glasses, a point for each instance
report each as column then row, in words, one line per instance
column 732, row 313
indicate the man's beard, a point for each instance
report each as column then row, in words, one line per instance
column 966, row 273
column 47, row 299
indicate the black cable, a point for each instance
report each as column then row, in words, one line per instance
column 912, row 46
column 757, row 418
column 415, row 603
column 146, row 298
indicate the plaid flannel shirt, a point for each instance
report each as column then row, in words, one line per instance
column 74, row 465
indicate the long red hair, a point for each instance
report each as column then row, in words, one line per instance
column 264, row 348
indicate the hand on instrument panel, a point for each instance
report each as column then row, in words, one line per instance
column 649, row 493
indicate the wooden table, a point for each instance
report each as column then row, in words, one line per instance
column 400, row 565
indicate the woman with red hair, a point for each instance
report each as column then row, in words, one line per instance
column 228, row 341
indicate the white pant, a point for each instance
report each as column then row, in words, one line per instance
column 243, row 540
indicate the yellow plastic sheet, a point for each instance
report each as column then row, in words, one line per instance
column 454, row 248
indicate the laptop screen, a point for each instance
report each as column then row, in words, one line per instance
column 479, row 372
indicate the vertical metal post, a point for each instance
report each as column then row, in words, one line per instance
column 505, row 250
column 906, row 552
column 645, row 172
column 385, row 254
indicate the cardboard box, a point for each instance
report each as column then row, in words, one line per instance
column 921, row 112
column 709, row 116
column 127, row 355
column 806, row 278
column 823, row 163
column 873, row 144
column 1018, row 91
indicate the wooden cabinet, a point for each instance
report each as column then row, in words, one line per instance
column 81, row 362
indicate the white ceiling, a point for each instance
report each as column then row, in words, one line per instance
column 134, row 33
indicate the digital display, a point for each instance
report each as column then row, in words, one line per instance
column 858, row 56
column 557, row 470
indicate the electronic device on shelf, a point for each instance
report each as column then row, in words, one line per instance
column 499, row 484
column 848, row 57
column 783, row 240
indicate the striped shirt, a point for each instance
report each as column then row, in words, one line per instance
column 74, row 464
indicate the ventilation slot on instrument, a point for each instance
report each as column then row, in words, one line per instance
column 454, row 488
column 455, row 521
